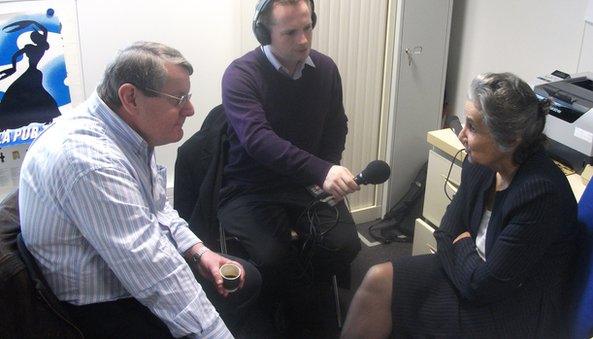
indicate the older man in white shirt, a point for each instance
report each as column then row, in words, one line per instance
column 95, row 215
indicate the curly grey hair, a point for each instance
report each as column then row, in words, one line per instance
column 511, row 111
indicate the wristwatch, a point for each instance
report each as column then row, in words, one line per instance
column 196, row 257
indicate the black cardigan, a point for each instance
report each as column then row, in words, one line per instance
column 530, row 244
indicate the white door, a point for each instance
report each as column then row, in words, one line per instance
column 418, row 86
column 353, row 33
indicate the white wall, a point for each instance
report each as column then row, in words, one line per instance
column 586, row 57
column 527, row 37
column 208, row 33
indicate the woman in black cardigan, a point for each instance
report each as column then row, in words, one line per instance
column 506, row 242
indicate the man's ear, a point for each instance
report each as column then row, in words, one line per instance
column 128, row 95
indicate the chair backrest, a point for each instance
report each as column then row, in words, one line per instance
column 583, row 320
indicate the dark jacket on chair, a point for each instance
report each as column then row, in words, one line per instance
column 28, row 308
column 198, row 175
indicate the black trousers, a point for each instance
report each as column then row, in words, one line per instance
column 295, row 271
column 128, row 318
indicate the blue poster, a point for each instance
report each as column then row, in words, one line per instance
column 32, row 72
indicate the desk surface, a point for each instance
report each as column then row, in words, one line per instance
column 446, row 141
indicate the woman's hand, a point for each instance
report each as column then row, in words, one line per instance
column 463, row 235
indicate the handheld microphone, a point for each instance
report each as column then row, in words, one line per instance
column 376, row 172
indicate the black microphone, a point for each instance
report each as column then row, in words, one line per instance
column 376, row 172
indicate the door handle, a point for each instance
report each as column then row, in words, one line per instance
column 417, row 50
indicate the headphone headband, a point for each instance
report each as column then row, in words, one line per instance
column 261, row 32
column 259, row 8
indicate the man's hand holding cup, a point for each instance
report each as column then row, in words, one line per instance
column 211, row 264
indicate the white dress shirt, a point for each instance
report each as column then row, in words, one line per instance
column 95, row 215
column 298, row 73
column 481, row 236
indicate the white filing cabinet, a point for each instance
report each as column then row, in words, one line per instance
column 437, row 186
column 435, row 199
column 424, row 241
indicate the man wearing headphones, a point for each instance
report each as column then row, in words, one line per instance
column 287, row 130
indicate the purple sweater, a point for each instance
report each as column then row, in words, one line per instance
column 282, row 131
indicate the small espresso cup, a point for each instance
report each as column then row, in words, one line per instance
column 231, row 274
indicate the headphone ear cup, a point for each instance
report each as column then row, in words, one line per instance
column 262, row 34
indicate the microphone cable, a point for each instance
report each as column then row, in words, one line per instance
column 449, row 174
column 317, row 229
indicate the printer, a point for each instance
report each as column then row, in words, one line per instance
column 569, row 125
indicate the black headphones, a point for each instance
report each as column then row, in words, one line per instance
column 262, row 34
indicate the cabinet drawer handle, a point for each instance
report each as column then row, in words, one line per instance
column 453, row 185
column 452, row 182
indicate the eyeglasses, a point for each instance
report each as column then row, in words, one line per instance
column 181, row 101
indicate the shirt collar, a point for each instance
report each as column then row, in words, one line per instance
column 299, row 70
column 117, row 125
